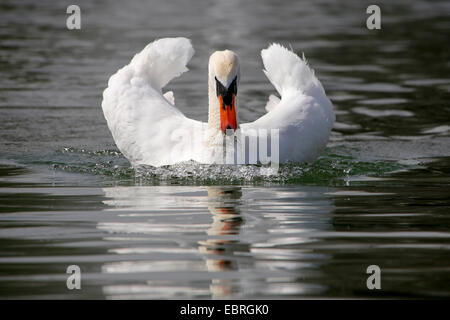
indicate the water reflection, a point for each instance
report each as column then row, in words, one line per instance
column 223, row 203
column 215, row 242
column 218, row 242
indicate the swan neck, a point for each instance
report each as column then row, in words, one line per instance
column 214, row 106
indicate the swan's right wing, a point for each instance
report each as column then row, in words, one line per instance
column 303, row 116
column 144, row 122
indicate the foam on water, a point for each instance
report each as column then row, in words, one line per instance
column 331, row 168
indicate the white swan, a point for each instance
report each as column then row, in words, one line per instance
column 149, row 129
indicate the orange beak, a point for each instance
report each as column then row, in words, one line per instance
column 227, row 100
column 227, row 114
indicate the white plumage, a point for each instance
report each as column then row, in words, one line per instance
column 149, row 129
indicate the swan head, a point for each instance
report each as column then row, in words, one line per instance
column 224, row 77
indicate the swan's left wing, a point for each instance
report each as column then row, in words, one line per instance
column 144, row 122
column 303, row 116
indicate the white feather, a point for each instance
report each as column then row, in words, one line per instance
column 272, row 102
column 304, row 116
column 147, row 126
column 169, row 97
column 141, row 119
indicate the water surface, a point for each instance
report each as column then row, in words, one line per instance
column 378, row 195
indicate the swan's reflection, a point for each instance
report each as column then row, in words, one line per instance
column 148, row 215
column 223, row 203
column 220, row 242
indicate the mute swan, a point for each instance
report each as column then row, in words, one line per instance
column 149, row 129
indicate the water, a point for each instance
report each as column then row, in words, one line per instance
column 379, row 195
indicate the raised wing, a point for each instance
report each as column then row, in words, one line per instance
column 141, row 118
column 304, row 115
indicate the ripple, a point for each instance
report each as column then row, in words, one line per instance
column 330, row 168
column 383, row 113
column 378, row 87
column 383, row 101
column 425, row 82
column 346, row 126
column 439, row 129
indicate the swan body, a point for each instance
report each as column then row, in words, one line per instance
column 149, row 129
